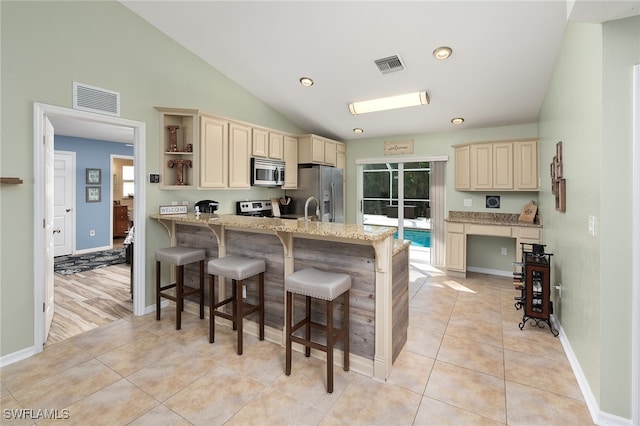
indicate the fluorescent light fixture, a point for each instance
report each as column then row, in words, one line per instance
column 391, row 102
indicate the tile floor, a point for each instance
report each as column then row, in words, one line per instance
column 466, row 362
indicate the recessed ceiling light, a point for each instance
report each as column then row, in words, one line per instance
column 391, row 102
column 306, row 81
column 457, row 120
column 442, row 52
column 358, row 130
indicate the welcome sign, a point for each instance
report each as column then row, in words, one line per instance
column 398, row 147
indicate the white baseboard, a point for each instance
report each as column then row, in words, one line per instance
column 598, row 417
column 17, row 356
column 490, row 271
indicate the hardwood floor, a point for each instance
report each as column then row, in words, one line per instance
column 88, row 300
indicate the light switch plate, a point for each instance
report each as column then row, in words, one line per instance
column 468, row 202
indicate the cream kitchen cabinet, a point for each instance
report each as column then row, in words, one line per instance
column 290, row 156
column 525, row 155
column 456, row 240
column 341, row 157
column 214, row 152
column 267, row 144
column 313, row 149
column 462, row 176
column 239, row 155
column 497, row 166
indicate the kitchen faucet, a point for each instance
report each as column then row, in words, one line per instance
column 306, row 208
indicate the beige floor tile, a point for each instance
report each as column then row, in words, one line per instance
column 56, row 358
column 138, row 354
column 116, row 404
column 214, row 398
column 308, row 382
column 533, row 341
column 160, row 415
column 71, row 386
column 262, row 361
column 530, row 406
column 479, row 330
column 169, row 375
column 274, row 408
column 12, row 413
column 423, row 342
column 428, row 320
column 104, row 339
column 432, row 412
column 353, row 399
column 469, row 390
column 411, row 371
column 472, row 355
column 542, row 373
column 391, row 405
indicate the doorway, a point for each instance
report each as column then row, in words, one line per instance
column 407, row 193
column 43, row 202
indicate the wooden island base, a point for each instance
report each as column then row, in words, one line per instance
column 378, row 265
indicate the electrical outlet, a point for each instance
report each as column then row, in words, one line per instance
column 503, row 251
column 92, row 232
column 468, row 202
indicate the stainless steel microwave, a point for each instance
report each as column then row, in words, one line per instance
column 266, row 172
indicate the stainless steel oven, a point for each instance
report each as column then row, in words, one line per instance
column 267, row 172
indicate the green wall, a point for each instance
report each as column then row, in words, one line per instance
column 48, row 45
column 588, row 107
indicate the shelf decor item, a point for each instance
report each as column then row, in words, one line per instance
column 94, row 176
column 180, row 165
column 173, row 137
column 94, row 194
column 558, row 183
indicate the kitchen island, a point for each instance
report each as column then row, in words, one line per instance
column 378, row 265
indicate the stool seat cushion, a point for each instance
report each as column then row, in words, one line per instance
column 236, row 267
column 319, row 284
column 179, row 255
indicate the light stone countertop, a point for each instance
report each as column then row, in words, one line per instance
column 481, row 218
column 322, row 229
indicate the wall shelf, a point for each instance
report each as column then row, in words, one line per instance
column 10, row 180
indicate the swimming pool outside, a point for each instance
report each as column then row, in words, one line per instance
column 418, row 237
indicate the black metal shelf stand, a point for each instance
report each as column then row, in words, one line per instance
column 536, row 288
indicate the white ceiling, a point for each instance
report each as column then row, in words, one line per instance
column 503, row 56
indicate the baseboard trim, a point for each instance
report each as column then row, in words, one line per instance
column 599, row 417
column 490, row 271
column 17, row 356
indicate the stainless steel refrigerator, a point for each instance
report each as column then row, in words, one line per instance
column 326, row 185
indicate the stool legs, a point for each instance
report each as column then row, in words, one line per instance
column 238, row 311
column 179, row 292
column 332, row 335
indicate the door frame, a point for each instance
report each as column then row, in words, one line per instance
column 121, row 157
column 40, row 237
column 635, row 251
column 72, row 230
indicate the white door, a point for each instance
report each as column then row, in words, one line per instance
column 63, row 203
column 49, row 228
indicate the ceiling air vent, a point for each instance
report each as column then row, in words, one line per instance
column 390, row 64
column 95, row 99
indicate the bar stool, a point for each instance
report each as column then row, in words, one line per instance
column 326, row 286
column 238, row 269
column 179, row 256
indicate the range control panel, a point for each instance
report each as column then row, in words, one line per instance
column 253, row 207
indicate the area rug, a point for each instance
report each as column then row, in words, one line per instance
column 67, row 265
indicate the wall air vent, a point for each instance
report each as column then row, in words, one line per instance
column 390, row 64
column 95, row 99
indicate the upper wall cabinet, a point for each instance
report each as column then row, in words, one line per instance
column 497, row 166
column 313, row 149
column 267, row 144
column 214, row 152
column 290, row 157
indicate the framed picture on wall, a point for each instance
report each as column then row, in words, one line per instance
column 94, row 194
column 94, row 176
